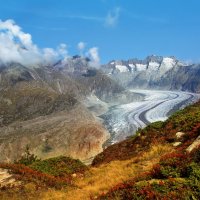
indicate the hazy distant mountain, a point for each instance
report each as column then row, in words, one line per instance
column 94, row 80
column 155, row 72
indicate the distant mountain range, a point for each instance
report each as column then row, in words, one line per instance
column 155, row 72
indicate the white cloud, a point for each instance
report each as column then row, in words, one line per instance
column 48, row 55
column 81, row 46
column 112, row 17
column 62, row 50
column 93, row 54
column 109, row 20
column 17, row 46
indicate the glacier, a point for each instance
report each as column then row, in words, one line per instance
column 124, row 120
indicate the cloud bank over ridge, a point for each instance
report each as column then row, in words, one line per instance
column 17, row 46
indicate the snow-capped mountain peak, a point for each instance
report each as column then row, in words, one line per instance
column 154, row 72
column 151, row 63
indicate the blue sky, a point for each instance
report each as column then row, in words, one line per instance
column 120, row 29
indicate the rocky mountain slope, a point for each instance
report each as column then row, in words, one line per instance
column 45, row 107
column 95, row 80
column 155, row 72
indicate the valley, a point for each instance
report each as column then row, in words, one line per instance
column 124, row 120
column 73, row 108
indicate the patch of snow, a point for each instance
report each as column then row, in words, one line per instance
column 153, row 66
column 141, row 67
column 132, row 66
column 167, row 64
column 122, row 68
column 168, row 60
column 112, row 63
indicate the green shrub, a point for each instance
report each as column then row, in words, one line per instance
column 168, row 171
column 137, row 134
column 194, row 180
column 156, row 125
column 28, row 175
column 171, row 165
column 193, row 171
column 59, row 166
column 196, row 155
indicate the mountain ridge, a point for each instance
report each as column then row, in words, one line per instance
column 155, row 72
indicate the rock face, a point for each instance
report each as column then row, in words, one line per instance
column 94, row 80
column 194, row 145
column 73, row 133
column 155, row 72
column 6, row 179
column 179, row 135
column 41, row 107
